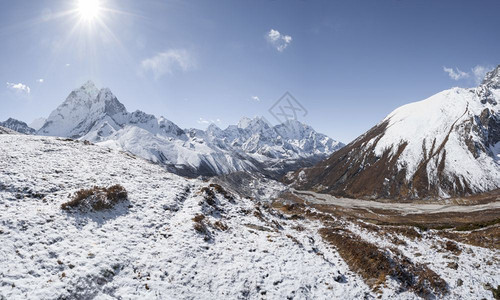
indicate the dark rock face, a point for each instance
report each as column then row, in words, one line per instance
column 471, row 138
column 355, row 171
column 18, row 126
column 4, row 130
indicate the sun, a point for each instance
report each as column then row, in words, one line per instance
column 89, row 9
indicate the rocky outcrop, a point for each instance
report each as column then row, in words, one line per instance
column 444, row 146
column 18, row 126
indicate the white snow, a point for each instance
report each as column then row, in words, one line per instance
column 37, row 123
column 147, row 248
column 97, row 116
column 116, row 253
column 441, row 119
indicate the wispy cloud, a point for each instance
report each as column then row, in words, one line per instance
column 205, row 122
column 167, row 62
column 19, row 87
column 255, row 98
column 278, row 40
column 477, row 73
column 455, row 74
column 40, row 80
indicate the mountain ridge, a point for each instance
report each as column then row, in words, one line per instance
column 17, row 126
column 254, row 144
column 444, row 146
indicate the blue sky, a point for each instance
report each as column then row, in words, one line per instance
column 349, row 63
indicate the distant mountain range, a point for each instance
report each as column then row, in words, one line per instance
column 18, row 126
column 253, row 145
column 447, row 145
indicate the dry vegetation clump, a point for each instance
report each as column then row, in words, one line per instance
column 375, row 264
column 452, row 247
column 220, row 190
column 486, row 238
column 258, row 214
column 209, row 196
column 478, row 225
column 97, row 198
column 392, row 233
column 211, row 204
column 200, row 227
column 181, row 197
column 406, row 231
column 495, row 291
column 220, row 226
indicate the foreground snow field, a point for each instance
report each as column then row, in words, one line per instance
column 148, row 248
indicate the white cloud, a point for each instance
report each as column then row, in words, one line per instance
column 479, row 72
column 205, row 122
column 167, row 62
column 278, row 40
column 19, row 87
column 67, row 65
column 455, row 74
column 255, row 98
column 40, row 80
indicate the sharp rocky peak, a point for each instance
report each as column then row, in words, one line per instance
column 89, row 85
column 256, row 123
column 88, row 88
column 492, row 78
column 88, row 94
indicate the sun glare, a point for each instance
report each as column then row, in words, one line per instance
column 89, row 9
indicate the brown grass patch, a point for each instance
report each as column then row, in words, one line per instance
column 220, row 190
column 97, row 198
column 375, row 264
column 200, row 227
column 486, row 238
column 209, row 196
column 388, row 231
column 452, row 247
column 478, row 225
column 494, row 291
column 220, row 226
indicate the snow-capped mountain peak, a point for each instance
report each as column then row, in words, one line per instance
column 253, row 145
column 83, row 95
column 82, row 110
column 446, row 145
column 17, row 126
column 89, row 85
column 253, row 125
column 492, row 79
column 111, row 104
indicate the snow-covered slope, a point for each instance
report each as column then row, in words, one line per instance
column 446, row 145
column 4, row 130
column 253, row 145
column 18, row 126
column 148, row 248
column 37, row 123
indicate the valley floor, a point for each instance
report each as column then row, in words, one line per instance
column 176, row 238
